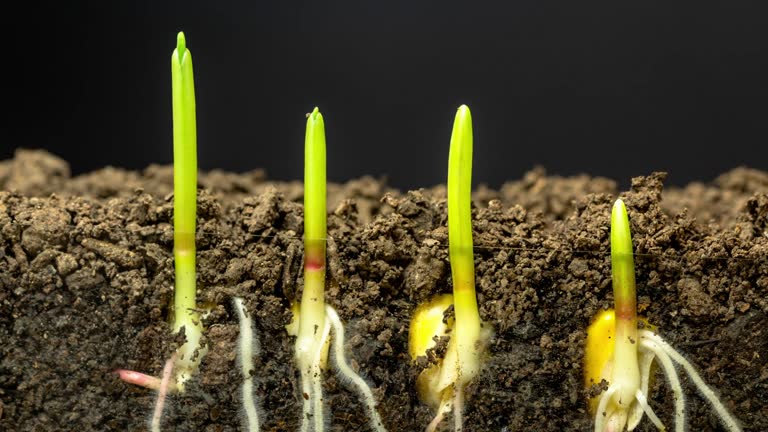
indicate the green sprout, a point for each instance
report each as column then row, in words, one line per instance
column 621, row 354
column 186, row 360
column 443, row 385
column 313, row 297
column 185, row 315
column 313, row 319
column 626, row 374
column 312, row 340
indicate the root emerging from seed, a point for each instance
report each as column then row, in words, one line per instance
column 652, row 346
column 656, row 345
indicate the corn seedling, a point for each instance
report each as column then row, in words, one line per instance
column 184, row 363
column 622, row 355
column 442, row 385
column 313, row 320
column 186, row 315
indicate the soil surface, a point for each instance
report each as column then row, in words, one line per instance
column 86, row 282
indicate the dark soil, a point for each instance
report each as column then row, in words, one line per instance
column 86, row 279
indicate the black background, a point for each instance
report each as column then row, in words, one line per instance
column 609, row 88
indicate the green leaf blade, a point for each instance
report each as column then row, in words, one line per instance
column 459, row 198
column 184, row 139
column 315, row 178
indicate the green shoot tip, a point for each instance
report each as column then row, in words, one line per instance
column 621, row 238
column 463, row 114
column 181, row 44
column 315, row 116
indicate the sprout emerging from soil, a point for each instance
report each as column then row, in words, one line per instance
column 622, row 355
column 186, row 360
column 186, row 316
column 442, row 385
column 312, row 318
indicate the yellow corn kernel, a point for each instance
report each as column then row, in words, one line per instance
column 426, row 325
column 598, row 356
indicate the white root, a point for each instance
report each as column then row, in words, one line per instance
column 652, row 346
column 446, row 405
column 458, row 407
column 722, row 413
column 162, row 394
column 245, row 358
column 643, row 403
column 674, row 381
column 306, row 405
column 316, row 373
column 346, row 372
column 312, row 416
column 637, row 411
column 601, row 414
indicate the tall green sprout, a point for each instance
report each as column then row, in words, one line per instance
column 467, row 325
column 185, row 210
column 626, row 374
column 442, row 386
column 313, row 298
column 313, row 320
column 314, row 328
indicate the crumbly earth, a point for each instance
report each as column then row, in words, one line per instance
column 86, row 282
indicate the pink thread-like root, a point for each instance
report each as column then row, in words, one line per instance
column 139, row 379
